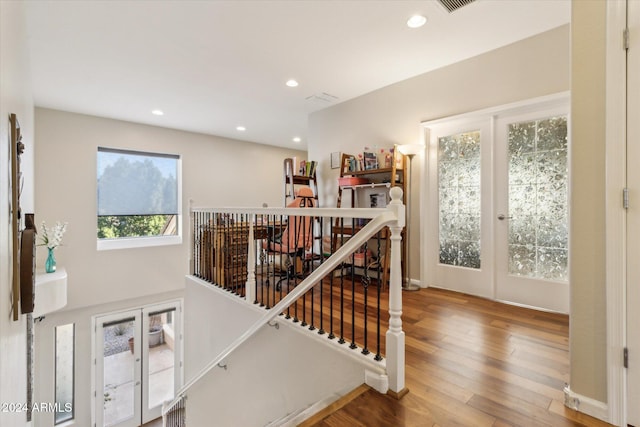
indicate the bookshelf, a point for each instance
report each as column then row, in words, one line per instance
column 293, row 177
column 367, row 186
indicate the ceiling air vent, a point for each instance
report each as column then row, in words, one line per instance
column 322, row 97
column 452, row 5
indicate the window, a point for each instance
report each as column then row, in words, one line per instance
column 138, row 198
column 64, row 393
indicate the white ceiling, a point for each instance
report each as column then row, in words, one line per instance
column 214, row 65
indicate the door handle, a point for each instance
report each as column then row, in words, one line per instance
column 502, row 217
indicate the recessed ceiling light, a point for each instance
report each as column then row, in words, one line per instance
column 241, row 128
column 292, row 83
column 416, row 21
column 297, row 139
column 157, row 112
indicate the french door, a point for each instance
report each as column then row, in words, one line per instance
column 137, row 364
column 498, row 192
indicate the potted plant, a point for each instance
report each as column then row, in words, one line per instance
column 155, row 330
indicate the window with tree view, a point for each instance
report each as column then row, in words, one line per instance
column 137, row 194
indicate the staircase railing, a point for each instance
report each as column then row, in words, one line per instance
column 317, row 262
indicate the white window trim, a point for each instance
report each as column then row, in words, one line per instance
column 139, row 242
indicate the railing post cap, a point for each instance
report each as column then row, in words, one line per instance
column 396, row 194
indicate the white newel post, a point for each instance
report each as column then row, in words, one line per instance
column 249, row 289
column 395, row 334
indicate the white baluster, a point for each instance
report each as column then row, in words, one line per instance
column 249, row 289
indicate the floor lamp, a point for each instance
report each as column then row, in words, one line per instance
column 409, row 150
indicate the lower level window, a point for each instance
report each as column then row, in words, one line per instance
column 64, row 393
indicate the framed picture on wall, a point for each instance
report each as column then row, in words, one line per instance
column 335, row 160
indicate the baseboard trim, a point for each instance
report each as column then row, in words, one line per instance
column 398, row 395
column 586, row 405
column 323, row 409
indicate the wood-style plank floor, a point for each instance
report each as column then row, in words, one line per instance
column 472, row 362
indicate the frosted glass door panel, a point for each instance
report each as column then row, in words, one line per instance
column 459, row 199
column 538, row 237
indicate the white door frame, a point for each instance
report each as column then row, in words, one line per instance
column 615, row 150
column 633, row 216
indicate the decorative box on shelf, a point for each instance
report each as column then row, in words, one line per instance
column 352, row 180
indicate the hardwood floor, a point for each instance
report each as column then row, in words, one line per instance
column 472, row 362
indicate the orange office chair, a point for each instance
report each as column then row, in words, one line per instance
column 286, row 253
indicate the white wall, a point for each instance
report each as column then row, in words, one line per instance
column 215, row 172
column 275, row 373
column 530, row 68
column 15, row 97
column 206, row 310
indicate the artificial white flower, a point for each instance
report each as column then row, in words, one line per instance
column 52, row 236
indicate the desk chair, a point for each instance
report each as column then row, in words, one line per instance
column 286, row 253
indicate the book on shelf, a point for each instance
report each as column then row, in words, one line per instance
column 355, row 164
column 370, row 160
column 308, row 168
